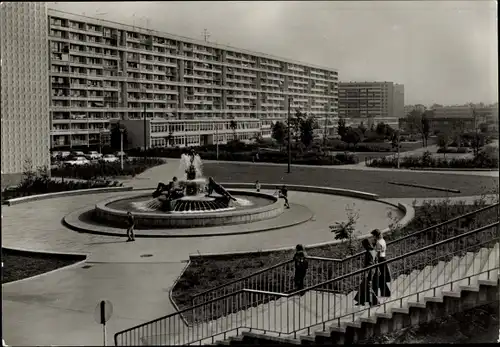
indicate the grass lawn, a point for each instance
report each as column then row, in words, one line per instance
column 208, row 272
column 369, row 181
column 18, row 265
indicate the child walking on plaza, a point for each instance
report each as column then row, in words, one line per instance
column 131, row 225
column 283, row 193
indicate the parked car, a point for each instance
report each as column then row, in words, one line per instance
column 55, row 155
column 78, row 154
column 93, row 155
column 64, row 154
column 110, row 158
column 77, row 161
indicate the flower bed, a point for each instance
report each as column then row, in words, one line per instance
column 209, row 272
column 20, row 264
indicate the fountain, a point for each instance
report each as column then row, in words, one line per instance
column 193, row 201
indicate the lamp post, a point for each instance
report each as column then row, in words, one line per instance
column 101, row 131
column 217, row 139
column 289, row 138
column 121, row 147
column 326, row 123
column 145, row 133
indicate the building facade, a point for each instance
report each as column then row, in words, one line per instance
column 24, row 86
column 102, row 71
column 187, row 133
column 371, row 102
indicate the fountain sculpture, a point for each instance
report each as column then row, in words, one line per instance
column 191, row 201
column 192, row 194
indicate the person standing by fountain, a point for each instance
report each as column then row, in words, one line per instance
column 257, row 186
column 131, row 225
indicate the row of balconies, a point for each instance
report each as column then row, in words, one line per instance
column 174, row 64
column 276, row 67
column 230, row 83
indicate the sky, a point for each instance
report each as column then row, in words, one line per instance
column 444, row 52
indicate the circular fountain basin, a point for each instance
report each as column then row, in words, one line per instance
column 258, row 206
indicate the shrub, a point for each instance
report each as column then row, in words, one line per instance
column 38, row 182
column 487, row 159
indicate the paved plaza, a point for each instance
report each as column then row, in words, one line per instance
column 138, row 286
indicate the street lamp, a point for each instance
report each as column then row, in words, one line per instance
column 289, row 132
column 101, row 132
column 289, row 138
column 121, row 147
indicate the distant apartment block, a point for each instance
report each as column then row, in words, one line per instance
column 24, row 84
column 371, row 102
column 463, row 118
column 418, row 107
column 102, row 71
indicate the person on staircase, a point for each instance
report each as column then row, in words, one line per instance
column 368, row 286
column 384, row 273
column 301, row 266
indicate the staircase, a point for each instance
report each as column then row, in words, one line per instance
column 444, row 277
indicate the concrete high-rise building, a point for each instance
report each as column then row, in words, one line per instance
column 399, row 100
column 103, row 71
column 24, row 84
column 371, row 102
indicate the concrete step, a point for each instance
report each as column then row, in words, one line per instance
column 490, row 269
column 385, row 311
column 470, row 277
column 460, row 272
column 401, row 305
column 396, row 286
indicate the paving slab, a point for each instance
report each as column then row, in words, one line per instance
column 58, row 308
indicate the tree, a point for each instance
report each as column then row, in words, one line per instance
column 233, row 125
column 279, row 133
column 345, row 231
column 381, row 129
column 362, row 128
column 307, row 127
column 425, row 128
column 483, row 127
column 418, row 123
column 295, row 123
column 353, row 136
column 341, row 128
column 115, row 136
column 442, row 141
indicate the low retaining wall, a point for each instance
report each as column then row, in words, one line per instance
column 23, row 199
column 310, row 189
column 409, row 214
column 187, row 220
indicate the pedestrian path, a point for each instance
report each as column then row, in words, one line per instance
column 58, row 308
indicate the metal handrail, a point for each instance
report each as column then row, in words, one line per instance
column 241, row 279
column 462, row 246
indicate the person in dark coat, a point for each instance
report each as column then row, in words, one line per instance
column 368, row 286
column 385, row 277
column 301, row 266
